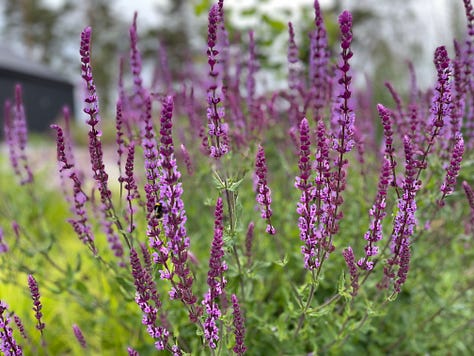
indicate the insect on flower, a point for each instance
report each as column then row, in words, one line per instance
column 159, row 211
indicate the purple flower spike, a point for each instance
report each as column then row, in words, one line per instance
column 453, row 170
column 8, row 344
column 239, row 327
column 385, row 114
column 148, row 300
column 305, row 208
column 81, row 222
column 217, row 130
column 318, row 67
column 264, row 194
column 350, row 261
column 174, row 219
column 404, row 224
column 16, row 136
column 215, row 279
column 79, row 336
column 377, row 213
column 35, row 295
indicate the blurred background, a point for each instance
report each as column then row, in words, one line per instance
column 41, row 37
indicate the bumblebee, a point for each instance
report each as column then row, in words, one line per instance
column 159, row 211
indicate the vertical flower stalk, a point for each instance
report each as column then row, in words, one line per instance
column 452, row 171
column 377, row 214
column 215, row 279
column 8, row 344
column 96, row 153
column 174, row 219
column 217, row 140
column 320, row 90
column 152, row 190
column 306, row 209
column 264, row 194
column 37, row 306
column 81, row 222
column 384, row 115
column 343, row 121
column 404, row 224
column 239, row 327
column 79, row 336
column 130, row 186
column 16, row 137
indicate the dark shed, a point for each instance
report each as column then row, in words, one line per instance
column 45, row 92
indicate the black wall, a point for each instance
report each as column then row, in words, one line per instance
column 43, row 98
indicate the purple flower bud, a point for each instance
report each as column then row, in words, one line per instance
column 248, row 242
column 79, row 336
column 350, row 261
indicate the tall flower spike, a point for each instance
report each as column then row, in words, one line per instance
column 404, row 224
column 8, row 344
column 148, row 300
column 305, row 208
column 377, row 213
column 318, row 66
column 37, row 306
column 22, row 134
column 217, row 128
column 343, row 118
column 452, row 170
column 81, row 222
column 96, row 153
column 174, row 219
column 239, row 327
column 215, row 279
column 385, row 114
column 264, row 194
